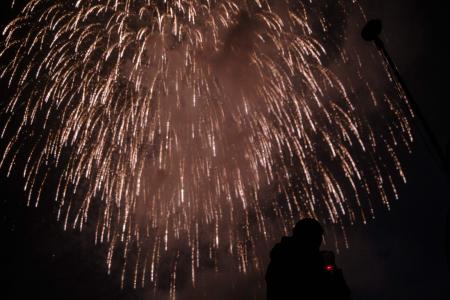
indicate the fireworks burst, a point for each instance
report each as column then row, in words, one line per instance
column 170, row 121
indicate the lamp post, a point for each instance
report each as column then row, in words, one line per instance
column 370, row 33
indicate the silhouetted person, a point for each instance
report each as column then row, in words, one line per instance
column 299, row 270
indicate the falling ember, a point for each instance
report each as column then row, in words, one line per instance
column 185, row 130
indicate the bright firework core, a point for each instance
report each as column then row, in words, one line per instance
column 188, row 131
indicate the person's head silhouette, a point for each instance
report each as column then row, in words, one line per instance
column 308, row 232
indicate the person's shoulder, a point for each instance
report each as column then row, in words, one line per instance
column 281, row 248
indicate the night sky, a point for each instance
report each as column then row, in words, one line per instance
column 400, row 255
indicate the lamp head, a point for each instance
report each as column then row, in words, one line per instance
column 372, row 29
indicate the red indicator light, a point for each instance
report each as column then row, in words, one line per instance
column 329, row 268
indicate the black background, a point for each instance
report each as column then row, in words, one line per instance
column 400, row 255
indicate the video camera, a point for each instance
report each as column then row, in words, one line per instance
column 328, row 261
